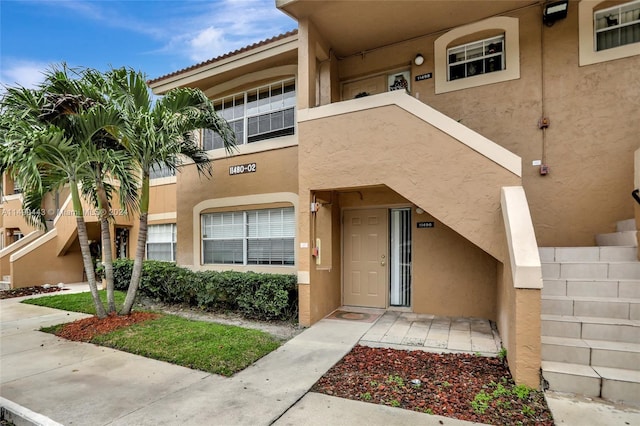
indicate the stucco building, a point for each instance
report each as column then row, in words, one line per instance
column 416, row 156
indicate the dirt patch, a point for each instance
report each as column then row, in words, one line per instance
column 86, row 329
column 461, row 386
column 28, row 291
column 282, row 330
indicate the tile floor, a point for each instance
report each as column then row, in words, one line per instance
column 404, row 330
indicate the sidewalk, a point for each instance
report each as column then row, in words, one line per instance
column 83, row 384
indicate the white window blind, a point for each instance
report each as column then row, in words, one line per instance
column 617, row 26
column 255, row 237
column 161, row 242
column 478, row 57
column 258, row 114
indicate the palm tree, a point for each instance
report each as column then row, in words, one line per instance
column 52, row 136
column 161, row 133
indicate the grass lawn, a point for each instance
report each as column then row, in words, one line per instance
column 76, row 302
column 214, row 348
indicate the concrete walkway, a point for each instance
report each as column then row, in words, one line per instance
column 83, row 384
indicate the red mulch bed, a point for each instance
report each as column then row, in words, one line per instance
column 28, row 291
column 86, row 329
column 448, row 385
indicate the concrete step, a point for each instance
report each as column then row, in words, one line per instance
column 573, row 378
column 591, row 328
column 609, row 383
column 588, row 254
column 599, row 307
column 626, row 225
column 627, row 289
column 595, row 270
column 624, row 238
column 597, row 353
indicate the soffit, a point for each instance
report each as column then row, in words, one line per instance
column 354, row 26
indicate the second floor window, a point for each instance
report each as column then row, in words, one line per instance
column 160, row 170
column 617, row 26
column 263, row 113
column 478, row 57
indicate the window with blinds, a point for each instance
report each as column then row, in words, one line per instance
column 160, row 170
column 255, row 115
column 255, row 237
column 617, row 26
column 161, row 242
column 478, row 57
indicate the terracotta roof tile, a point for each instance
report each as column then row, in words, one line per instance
column 226, row 55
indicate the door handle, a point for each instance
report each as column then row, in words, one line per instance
column 382, row 263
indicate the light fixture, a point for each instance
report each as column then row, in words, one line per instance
column 419, row 211
column 554, row 11
column 419, row 59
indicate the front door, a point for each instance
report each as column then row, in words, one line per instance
column 366, row 246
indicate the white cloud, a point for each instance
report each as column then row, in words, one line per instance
column 206, row 44
column 222, row 26
column 19, row 72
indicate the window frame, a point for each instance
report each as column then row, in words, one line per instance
column 508, row 26
column 466, row 47
column 174, row 238
column 588, row 55
column 262, row 109
column 247, row 237
column 614, row 27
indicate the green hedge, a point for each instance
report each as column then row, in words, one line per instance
column 260, row 296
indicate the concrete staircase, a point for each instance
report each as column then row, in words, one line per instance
column 625, row 235
column 591, row 321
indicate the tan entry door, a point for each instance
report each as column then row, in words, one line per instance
column 365, row 257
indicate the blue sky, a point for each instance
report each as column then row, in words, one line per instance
column 157, row 37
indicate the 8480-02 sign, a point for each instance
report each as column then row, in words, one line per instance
column 242, row 168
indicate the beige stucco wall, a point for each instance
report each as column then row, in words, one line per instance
column 276, row 172
column 589, row 144
column 636, row 206
column 519, row 325
column 450, row 275
column 388, row 146
column 163, row 198
column 31, row 270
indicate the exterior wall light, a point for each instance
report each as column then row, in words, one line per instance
column 419, row 59
column 554, row 11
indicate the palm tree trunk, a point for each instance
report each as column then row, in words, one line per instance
column 107, row 253
column 136, row 273
column 84, row 248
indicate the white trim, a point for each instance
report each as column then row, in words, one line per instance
column 463, row 134
column 252, row 77
column 161, row 216
column 586, row 33
column 304, row 277
column 162, row 181
column 229, row 64
column 524, row 256
column 34, row 244
column 511, row 49
column 254, row 147
column 62, row 209
column 243, row 200
column 11, row 197
column 15, row 246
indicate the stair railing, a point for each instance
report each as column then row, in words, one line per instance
column 636, row 195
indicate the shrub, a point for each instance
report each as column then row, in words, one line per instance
column 255, row 295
